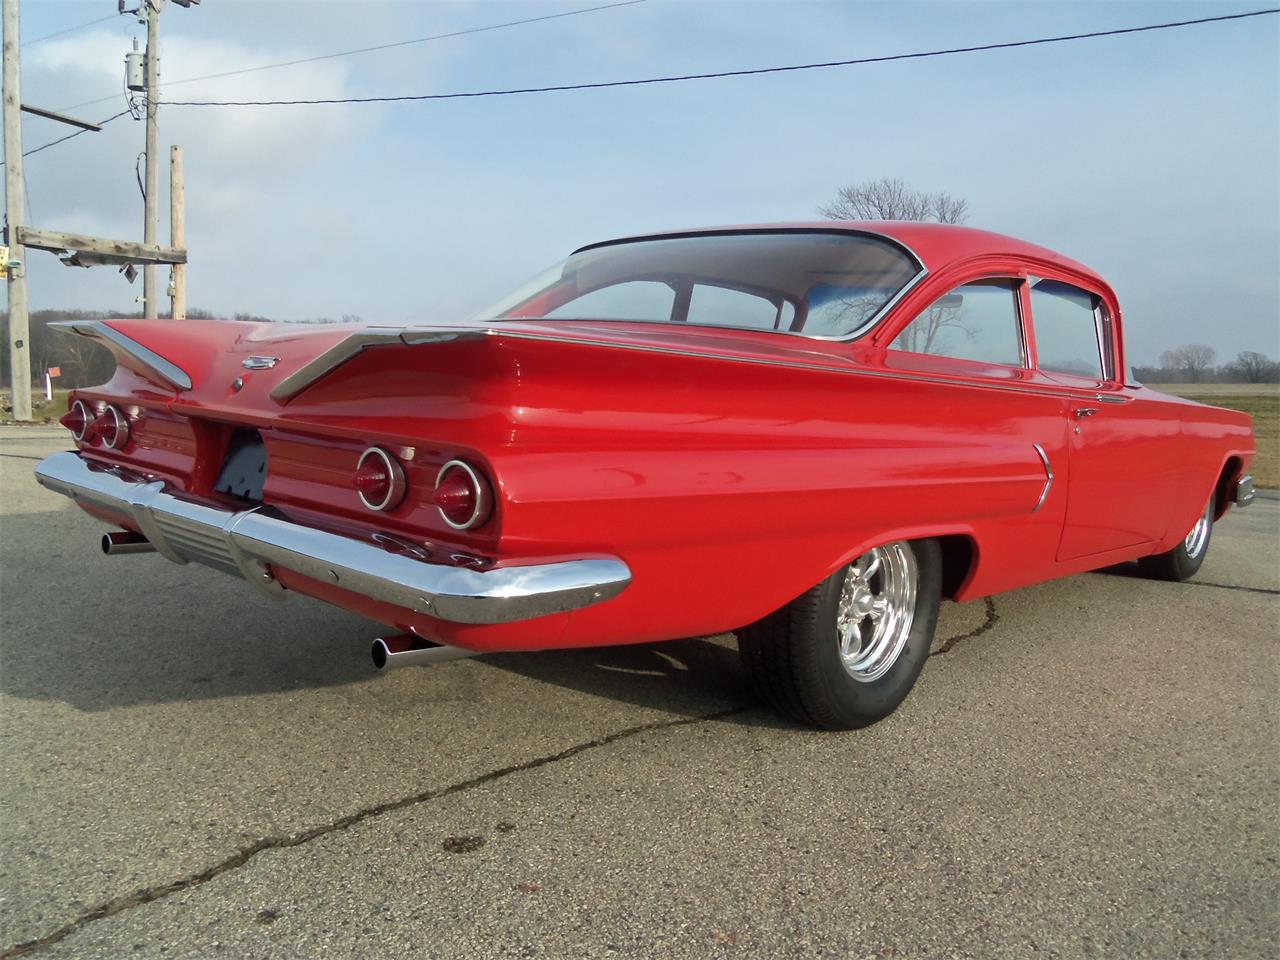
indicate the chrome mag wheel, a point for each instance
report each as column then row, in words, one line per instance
column 876, row 609
column 1199, row 535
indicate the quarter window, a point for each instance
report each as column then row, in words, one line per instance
column 976, row 321
column 1070, row 323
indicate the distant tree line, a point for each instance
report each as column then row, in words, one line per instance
column 1195, row 363
column 83, row 362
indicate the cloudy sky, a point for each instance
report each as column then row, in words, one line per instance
column 1152, row 157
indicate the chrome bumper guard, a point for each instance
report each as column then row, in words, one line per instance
column 251, row 542
column 1244, row 491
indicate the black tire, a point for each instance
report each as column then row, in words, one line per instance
column 792, row 656
column 1182, row 562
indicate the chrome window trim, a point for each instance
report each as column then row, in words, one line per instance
column 482, row 495
column 122, row 346
column 398, row 486
column 1101, row 330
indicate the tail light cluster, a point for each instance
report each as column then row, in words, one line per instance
column 110, row 426
column 462, row 494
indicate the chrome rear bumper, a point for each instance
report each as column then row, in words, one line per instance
column 1244, row 491
column 251, row 542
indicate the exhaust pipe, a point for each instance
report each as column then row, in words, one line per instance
column 121, row 542
column 407, row 650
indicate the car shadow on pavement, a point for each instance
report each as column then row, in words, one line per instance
column 688, row 677
column 99, row 633
column 1127, row 569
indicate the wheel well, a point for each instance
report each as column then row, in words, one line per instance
column 958, row 555
column 1222, row 492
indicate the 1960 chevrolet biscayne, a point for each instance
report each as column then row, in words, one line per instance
column 809, row 434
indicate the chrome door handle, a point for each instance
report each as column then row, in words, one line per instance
column 1082, row 412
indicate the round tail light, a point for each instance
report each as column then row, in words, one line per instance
column 77, row 419
column 379, row 480
column 114, row 427
column 462, row 496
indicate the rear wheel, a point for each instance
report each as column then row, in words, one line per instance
column 1182, row 562
column 847, row 652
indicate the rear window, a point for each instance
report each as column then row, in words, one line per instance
column 816, row 283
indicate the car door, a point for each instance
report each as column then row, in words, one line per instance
column 1120, row 473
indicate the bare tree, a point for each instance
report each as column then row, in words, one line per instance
column 1253, row 367
column 1191, row 359
column 890, row 199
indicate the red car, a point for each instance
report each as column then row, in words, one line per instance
column 809, row 434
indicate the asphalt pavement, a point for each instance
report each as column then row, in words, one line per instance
column 1087, row 768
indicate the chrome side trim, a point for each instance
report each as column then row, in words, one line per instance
column 123, row 348
column 1066, row 392
column 411, row 336
column 1048, row 483
column 1244, row 493
column 250, row 542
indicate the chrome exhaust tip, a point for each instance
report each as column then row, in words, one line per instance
column 121, row 542
column 407, row 650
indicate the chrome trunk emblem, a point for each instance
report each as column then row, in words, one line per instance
column 259, row 363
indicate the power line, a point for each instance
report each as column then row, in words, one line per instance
column 69, row 136
column 727, row 73
column 91, row 23
column 383, row 46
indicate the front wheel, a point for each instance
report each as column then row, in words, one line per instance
column 1182, row 562
column 846, row 652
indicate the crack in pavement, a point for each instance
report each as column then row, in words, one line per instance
column 245, row 854
column 20, row 456
column 988, row 624
column 1232, row 586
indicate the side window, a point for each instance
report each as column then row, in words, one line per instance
column 975, row 321
column 1070, row 323
column 726, row 307
column 650, row 300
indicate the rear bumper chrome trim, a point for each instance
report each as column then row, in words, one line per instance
column 1244, row 493
column 249, row 542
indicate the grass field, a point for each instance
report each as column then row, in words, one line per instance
column 1261, row 401
column 42, row 411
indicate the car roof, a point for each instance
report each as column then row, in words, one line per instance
column 935, row 244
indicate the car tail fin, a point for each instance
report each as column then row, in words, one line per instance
column 360, row 340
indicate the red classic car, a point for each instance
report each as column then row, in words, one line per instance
column 809, row 434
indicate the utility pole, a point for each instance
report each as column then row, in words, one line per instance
column 177, row 234
column 151, row 216
column 15, row 213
